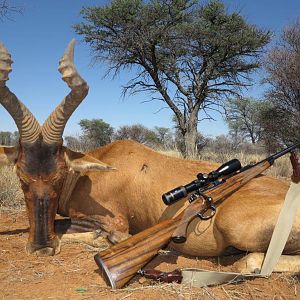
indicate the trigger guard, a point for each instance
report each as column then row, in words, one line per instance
column 202, row 216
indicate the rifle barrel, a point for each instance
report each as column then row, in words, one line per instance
column 283, row 152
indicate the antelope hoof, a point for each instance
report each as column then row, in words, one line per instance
column 96, row 239
column 45, row 252
column 251, row 263
column 51, row 249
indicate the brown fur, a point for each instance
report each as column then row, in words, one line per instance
column 133, row 194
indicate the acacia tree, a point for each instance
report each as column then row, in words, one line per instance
column 7, row 8
column 8, row 138
column 243, row 117
column 165, row 137
column 137, row 132
column 283, row 72
column 187, row 55
column 275, row 132
column 96, row 132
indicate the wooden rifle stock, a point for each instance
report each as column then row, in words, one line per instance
column 119, row 263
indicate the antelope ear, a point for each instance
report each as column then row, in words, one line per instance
column 80, row 162
column 8, row 155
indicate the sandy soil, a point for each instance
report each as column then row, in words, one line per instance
column 73, row 274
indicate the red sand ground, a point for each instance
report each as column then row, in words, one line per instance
column 73, row 274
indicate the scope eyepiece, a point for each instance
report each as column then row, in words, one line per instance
column 174, row 195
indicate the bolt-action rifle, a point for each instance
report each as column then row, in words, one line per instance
column 121, row 262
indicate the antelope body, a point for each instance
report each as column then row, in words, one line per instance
column 127, row 199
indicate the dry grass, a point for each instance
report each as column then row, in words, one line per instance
column 281, row 169
column 11, row 195
column 255, row 289
column 171, row 152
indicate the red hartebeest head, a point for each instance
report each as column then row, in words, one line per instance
column 40, row 160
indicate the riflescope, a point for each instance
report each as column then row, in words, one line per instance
column 180, row 192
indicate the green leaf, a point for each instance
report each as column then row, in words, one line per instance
column 81, row 290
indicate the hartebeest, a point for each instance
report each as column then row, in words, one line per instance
column 128, row 199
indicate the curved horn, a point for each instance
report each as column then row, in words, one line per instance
column 54, row 126
column 28, row 126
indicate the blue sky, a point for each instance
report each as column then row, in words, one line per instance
column 37, row 38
